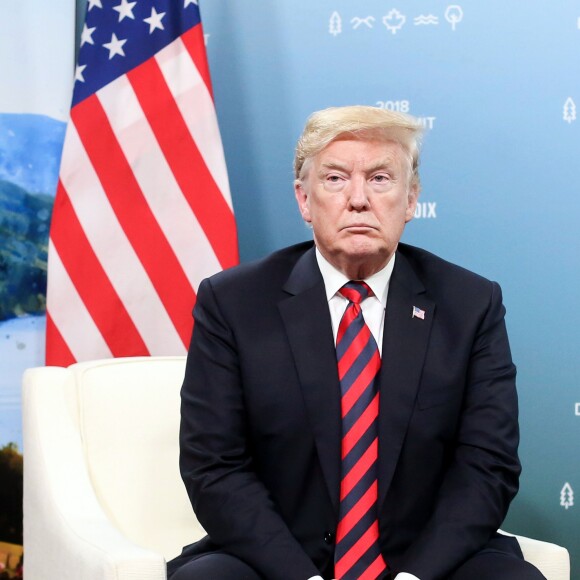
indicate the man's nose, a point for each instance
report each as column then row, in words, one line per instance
column 358, row 195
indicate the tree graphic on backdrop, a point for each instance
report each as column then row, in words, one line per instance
column 567, row 496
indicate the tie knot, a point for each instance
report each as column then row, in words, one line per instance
column 355, row 291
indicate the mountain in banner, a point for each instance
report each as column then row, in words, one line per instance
column 30, row 151
column 24, row 225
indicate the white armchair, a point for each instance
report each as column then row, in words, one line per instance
column 103, row 499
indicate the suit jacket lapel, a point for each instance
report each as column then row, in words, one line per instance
column 307, row 320
column 405, row 341
column 405, row 338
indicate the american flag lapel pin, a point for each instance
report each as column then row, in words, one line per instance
column 418, row 313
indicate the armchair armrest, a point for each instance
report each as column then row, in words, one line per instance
column 552, row 560
column 67, row 535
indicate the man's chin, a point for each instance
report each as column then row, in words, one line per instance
column 369, row 257
column 364, row 246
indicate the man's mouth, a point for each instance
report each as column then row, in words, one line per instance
column 359, row 227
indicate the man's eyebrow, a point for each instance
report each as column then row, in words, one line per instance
column 385, row 164
column 336, row 165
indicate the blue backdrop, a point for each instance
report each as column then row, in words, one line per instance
column 497, row 85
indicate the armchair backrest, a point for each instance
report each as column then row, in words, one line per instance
column 128, row 419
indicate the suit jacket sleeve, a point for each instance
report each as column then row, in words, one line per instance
column 229, row 500
column 482, row 478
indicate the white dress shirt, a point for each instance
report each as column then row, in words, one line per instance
column 373, row 309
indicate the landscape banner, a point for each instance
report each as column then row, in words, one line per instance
column 37, row 45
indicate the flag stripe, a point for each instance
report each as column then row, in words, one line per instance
column 75, row 324
column 194, row 42
column 134, row 214
column 196, row 106
column 156, row 181
column 193, row 176
column 56, row 346
column 90, row 281
column 113, row 250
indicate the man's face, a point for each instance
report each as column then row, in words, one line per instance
column 356, row 195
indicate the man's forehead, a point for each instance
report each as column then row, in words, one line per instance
column 348, row 152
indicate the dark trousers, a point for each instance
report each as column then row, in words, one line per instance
column 492, row 564
column 215, row 566
column 489, row 564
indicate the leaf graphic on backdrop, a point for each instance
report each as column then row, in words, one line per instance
column 394, row 20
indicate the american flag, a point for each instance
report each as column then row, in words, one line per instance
column 143, row 210
column 418, row 313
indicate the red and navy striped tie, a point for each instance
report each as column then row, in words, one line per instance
column 357, row 554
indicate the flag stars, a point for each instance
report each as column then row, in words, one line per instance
column 186, row 3
column 87, row 35
column 79, row 76
column 154, row 20
column 125, row 9
column 93, row 3
column 115, row 46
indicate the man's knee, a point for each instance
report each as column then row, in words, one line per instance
column 217, row 567
column 496, row 566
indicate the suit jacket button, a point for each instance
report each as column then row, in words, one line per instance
column 329, row 537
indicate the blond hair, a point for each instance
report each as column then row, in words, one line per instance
column 358, row 122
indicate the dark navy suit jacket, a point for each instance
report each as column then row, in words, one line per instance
column 260, row 433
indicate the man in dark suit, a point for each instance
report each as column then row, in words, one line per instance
column 349, row 406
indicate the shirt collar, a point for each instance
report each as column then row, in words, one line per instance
column 334, row 280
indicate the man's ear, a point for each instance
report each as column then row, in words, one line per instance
column 412, row 198
column 303, row 201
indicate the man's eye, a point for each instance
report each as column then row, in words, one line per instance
column 333, row 178
column 380, row 178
